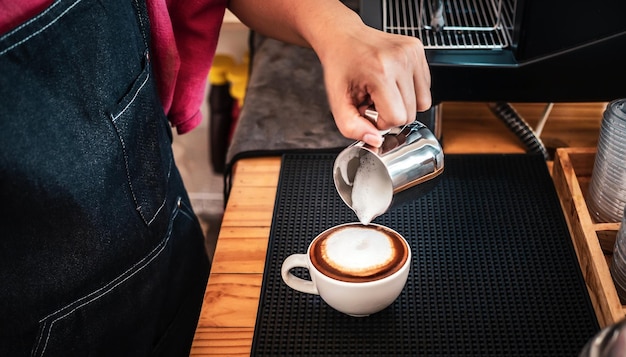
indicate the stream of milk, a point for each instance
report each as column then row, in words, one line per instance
column 371, row 190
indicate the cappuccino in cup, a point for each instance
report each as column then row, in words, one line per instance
column 356, row 269
column 354, row 253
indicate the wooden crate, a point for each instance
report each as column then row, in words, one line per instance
column 593, row 241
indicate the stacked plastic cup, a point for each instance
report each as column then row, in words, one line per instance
column 607, row 189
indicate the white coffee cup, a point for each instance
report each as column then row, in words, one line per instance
column 356, row 269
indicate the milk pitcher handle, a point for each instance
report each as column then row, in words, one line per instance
column 294, row 282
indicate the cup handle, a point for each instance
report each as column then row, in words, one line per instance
column 294, row 282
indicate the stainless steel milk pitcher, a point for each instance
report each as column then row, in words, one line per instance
column 410, row 157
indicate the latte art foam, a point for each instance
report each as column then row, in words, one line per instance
column 357, row 253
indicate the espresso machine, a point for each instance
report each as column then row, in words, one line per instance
column 504, row 51
column 514, row 50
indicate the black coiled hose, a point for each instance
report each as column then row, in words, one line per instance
column 519, row 127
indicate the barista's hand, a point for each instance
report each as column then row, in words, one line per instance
column 362, row 65
column 367, row 66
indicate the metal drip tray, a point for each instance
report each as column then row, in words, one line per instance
column 468, row 24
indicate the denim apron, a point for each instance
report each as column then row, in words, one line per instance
column 100, row 252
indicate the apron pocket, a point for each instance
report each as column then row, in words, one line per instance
column 142, row 130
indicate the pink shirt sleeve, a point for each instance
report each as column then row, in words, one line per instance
column 184, row 37
column 185, row 34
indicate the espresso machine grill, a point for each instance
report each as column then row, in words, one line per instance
column 470, row 24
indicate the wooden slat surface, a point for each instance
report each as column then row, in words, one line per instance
column 228, row 315
column 591, row 239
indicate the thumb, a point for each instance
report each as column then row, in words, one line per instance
column 353, row 125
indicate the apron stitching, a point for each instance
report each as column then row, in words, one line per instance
column 128, row 178
column 12, row 32
column 40, row 30
column 107, row 288
column 114, row 118
column 169, row 171
column 114, row 121
column 143, row 34
column 184, row 204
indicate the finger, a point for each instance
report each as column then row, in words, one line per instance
column 390, row 105
column 353, row 125
column 406, row 87
column 422, row 82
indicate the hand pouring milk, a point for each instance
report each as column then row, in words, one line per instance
column 368, row 179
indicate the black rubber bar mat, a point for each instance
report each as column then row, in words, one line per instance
column 494, row 270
